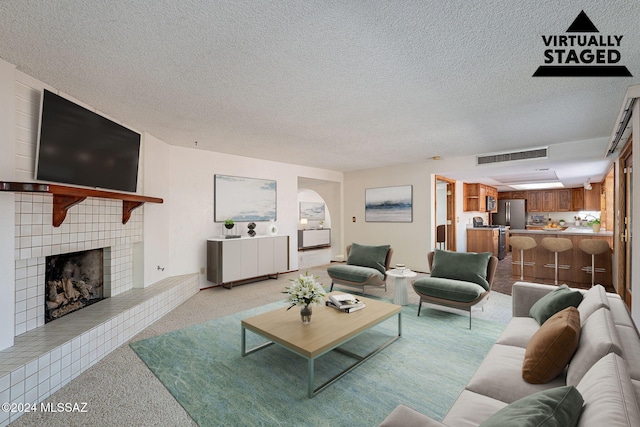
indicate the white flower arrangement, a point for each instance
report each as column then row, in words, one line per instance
column 305, row 290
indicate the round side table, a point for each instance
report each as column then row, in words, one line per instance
column 400, row 296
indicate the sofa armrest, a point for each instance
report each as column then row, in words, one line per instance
column 403, row 416
column 525, row 294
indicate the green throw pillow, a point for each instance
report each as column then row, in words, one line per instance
column 369, row 256
column 559, row 406
column 554, row 302
column 465, row 266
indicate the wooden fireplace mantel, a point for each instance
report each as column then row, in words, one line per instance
column 64, row 197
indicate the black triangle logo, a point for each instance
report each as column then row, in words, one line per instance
column 582, row 24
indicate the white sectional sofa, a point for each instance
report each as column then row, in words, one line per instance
column 605, row 368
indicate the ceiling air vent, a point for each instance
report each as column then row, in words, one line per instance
column 537, row 153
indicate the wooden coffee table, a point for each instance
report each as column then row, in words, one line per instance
column 329, row 329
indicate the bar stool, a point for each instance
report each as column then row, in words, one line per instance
column 441, row 236
column 556, row 245
column 522, row 243
column 593, row 247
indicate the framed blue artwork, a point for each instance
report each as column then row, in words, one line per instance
column 244, row 199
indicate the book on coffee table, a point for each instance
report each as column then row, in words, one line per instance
column 350, row 309
column 344, row 300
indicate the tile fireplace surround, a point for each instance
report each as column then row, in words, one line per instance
column 46, row 357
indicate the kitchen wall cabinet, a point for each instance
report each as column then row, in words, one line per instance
column 592, row 198
column 534, row 201
column 549, row 200
column 564, row 200
column 234, row 260
column 586, row 200
column 475, row 197
column 577, row 199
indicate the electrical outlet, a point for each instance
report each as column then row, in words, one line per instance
column 201, row 270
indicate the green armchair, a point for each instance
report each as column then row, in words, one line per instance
column 458, row 279
column 366, row 266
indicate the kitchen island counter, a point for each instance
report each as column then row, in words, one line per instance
column 581, row 231
column 575, row 258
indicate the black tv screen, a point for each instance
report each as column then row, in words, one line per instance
column 77, row 146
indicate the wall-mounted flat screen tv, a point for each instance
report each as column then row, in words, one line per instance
column 79, row 147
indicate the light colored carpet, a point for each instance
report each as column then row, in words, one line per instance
column 121, row 391
column 426, row 368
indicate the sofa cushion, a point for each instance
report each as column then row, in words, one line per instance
column 553, row 302
column 518, row 331
column 608, row 395
column 470, row 409
column 595, row 298
column 620, row 311
column 598, row 337
column 630, row 349
column 551, row 348
column 404, row 416
column 499, row 376
column 559, row 406
column 449, row 289
column 464, row 266
column 369, row 256
column 352, row 273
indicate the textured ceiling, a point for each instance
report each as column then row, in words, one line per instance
column 342, row 85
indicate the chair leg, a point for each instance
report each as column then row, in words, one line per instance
column 556, row 268
column 469, row 317
column 593, row 269
column 419, row 306
column 521, row 264
column 331, row 288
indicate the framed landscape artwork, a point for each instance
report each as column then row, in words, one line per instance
column 243, row 199
column 312, row 210
column 389, row 204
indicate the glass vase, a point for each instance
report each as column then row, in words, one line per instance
column 305, row 314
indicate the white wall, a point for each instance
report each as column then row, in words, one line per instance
column 190, row 202
column 7, row 204
column 155, row 183
column 410, row 241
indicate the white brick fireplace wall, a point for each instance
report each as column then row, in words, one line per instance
column 93, row 224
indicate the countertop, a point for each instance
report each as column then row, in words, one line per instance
column 569, row 231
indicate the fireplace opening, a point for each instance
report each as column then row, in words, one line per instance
column 73, row 281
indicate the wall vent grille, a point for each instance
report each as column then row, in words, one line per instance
column 538, row 153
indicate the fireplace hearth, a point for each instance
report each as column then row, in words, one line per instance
column 73, row 281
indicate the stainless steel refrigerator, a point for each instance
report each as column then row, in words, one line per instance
column 511, row 212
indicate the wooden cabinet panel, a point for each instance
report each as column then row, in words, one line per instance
column 505, row 195
column 592, row 198
column 482, row 240
column 577, row 199
column 475, row 197
column 534, row 201
column 564, row 200
column 574, row 258
column 549, row 200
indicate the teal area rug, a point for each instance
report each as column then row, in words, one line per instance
column 426, row 369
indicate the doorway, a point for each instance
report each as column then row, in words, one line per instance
column 445, row 211
column 626, row 212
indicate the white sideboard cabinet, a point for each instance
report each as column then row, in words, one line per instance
column 236, row 260
column 314, row 238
